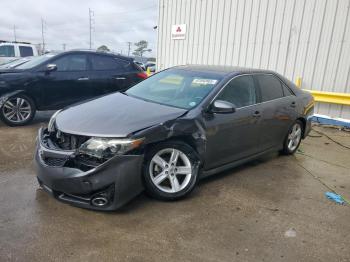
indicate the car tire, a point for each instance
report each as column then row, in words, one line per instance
column 18, row 110
column 293, row 138
column 170, row 170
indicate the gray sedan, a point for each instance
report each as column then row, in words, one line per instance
column 167, row 132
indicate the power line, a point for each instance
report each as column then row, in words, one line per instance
column 127, row 12
column 128, row 20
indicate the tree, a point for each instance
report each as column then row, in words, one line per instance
column 141, row 48
column 103, row 48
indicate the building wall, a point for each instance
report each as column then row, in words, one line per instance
column 297, row 38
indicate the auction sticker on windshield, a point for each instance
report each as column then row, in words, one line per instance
column 202, row 81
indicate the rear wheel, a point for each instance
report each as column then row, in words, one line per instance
column 171, row 171
column 293, row 138
column 18, row 110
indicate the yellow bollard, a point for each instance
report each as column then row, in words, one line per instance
column 298, row 82
column 148, row 71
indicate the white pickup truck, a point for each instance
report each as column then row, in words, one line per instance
column 12, row 50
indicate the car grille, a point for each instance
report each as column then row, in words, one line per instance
column 57, row 162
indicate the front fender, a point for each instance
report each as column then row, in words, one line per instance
column 6, row 96
column 191, row 131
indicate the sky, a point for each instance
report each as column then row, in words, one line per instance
column 115, row 22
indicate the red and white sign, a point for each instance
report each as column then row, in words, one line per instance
column 178, row 32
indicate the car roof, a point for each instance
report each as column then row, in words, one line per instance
column 98, row 53
column 223, row 70
column 235, row 70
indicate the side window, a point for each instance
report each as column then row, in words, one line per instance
column 7, row 51
column 71, row 63
column 26, row 51
column 286, row 91
column 270, row 87
column 100, row 62
column 240, row 92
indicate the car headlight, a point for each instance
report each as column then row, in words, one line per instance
column 104, row 148
column 51, row 125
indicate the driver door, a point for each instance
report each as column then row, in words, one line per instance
column 69, row 84
column 234, row 136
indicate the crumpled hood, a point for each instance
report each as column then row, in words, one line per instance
column 115, row 115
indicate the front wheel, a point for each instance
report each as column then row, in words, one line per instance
column 171, row 170
column 18, row 110
column 293, row 138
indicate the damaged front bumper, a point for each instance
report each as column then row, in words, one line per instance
column 107, row 186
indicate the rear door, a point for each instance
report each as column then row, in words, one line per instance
column 109, row 74
column 277, row 110
column 234, row 136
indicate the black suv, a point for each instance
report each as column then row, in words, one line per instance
column 53, row 81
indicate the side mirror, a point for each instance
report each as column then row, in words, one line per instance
column 51, row 68
column 222, row 107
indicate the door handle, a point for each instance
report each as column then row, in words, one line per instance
column 119, row 78
column 293, row 104
column 257, row 114
column 83, row 78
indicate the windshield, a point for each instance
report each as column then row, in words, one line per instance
column 35, row 61
column 175, row 87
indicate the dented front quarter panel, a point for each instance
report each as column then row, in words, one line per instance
column 187, row 127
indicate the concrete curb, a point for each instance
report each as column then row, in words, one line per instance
column 326, row 120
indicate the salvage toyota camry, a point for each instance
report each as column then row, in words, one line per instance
column 168, row 131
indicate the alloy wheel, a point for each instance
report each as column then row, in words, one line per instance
column 294, row 137
column 17, row 110
column 170, row 170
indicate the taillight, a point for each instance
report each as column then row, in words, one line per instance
column 142, row 75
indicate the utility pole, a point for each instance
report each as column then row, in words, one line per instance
column 129, row 47
column 14, row 32
column 91, row 20
column 42, row 35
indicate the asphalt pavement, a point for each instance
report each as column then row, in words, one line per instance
column 272, row 209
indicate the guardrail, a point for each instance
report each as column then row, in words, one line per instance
column 327, row 97
column 330, row 97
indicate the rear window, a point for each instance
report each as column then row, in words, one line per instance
column 107, row 63
column 25, row 51
column 270, row 87
column 7, row 51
